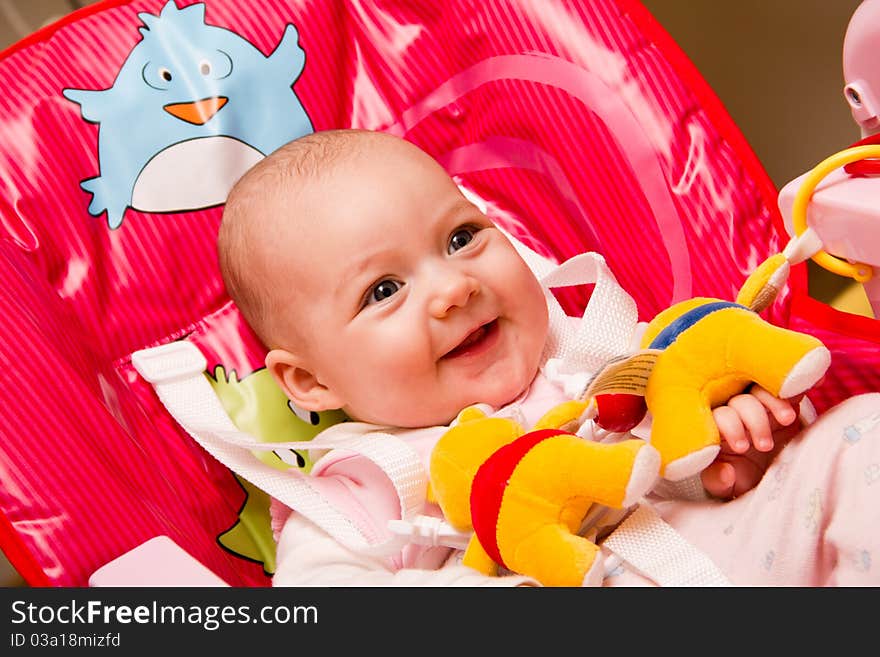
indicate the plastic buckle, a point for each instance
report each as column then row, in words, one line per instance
column 430, row 531
column 170, row 362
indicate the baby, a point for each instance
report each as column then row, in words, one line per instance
column 379, row 289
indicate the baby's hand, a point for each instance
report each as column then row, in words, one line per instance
column 754, row 426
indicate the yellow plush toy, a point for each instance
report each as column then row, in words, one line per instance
column 698, row 354
column 709, row 351
column 525, row 495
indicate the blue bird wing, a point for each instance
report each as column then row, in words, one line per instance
column 91, row 102
column 104, row 199
column 288, row 58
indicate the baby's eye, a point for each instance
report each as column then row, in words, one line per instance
column 460, row 239
column 382, row 290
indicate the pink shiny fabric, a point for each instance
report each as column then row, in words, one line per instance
column 580, row 122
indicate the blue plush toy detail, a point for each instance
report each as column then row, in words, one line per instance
column 192, row 107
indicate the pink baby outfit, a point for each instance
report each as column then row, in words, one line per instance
column 811, row 521
column 363, row 493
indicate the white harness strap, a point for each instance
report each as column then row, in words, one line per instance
column 609, row 321
column 606, row 331
column 656, row 550
column 176, row 370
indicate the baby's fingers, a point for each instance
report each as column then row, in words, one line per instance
column 719, row 479
column 730, row 476
column 731, row 429
column 784, row 411
column 756, row 420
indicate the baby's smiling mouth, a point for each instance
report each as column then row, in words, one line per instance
column 475, row 341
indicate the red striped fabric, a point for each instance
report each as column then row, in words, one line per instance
column 579, row 122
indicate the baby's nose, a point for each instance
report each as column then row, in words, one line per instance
column 452, row 291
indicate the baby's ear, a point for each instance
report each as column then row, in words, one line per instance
column 299, row 383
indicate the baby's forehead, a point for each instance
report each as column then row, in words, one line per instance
column 312, row 206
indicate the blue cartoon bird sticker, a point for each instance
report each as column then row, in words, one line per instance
column 191, row 109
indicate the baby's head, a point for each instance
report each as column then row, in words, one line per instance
column 376, row 285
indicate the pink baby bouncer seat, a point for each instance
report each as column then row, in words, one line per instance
column 582, row 125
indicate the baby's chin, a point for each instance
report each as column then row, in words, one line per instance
column 420, row 416
column 416, row 414
column 495, row 396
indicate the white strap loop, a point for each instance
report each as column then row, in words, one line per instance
column 609, row 321
column 577, row 349
column 658, row 552
column 610, row 318
column 176, row 370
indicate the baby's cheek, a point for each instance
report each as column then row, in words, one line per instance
column 405, row 372
column 533, row 328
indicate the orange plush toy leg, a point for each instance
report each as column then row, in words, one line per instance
column 782, row 361
column 457, row 456
column 547, row 494
column 707, row 364
column 685, row 433
column 477, row 558
column 574, row 559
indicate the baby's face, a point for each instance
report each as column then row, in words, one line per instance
column 414, row 305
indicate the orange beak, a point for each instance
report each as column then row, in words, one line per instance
column 197, row 112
